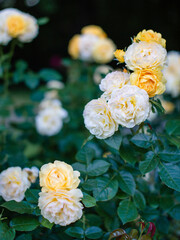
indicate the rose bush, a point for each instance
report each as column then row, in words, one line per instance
column 117, row 176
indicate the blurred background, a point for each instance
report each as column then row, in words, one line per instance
column 120, row 19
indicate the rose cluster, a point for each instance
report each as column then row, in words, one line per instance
column 15, row 181
column 92, row 45
column 17, row 24
column 49, row 120
column 59, row 200
column 125, row 100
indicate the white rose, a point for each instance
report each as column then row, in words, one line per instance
column 129, row 106
column 54, row 104
column 32, row 29
column 172, row 73
column 112, row 81
column 86, row 45
column 98, row 119
column 62, row 207
column 145, row 55
column 48, row 122
column 13, row 184
column 4, row 36
column 55, row 84
column 32, row 173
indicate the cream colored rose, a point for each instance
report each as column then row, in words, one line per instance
column 55, row 105
column 17, row 24
column 62, row 207
column 48, row 123
column 112, row 81
column 172, row 73
column 32, row 29
column 86, row 45
column 103, row 50
column 58, row 176
column 13, row 184
column 145, row 55
column 32, row 173
column 94, row 30
column 129, row 106
column 98, row 119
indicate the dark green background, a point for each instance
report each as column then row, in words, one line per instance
column 120, row 19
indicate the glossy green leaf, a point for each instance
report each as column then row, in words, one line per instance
column 6, row 233
column 97, row 167
column 24, row 223
column 126, row 182
column 127, row 211
column 93, row 232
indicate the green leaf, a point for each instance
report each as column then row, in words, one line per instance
column 80, row 167
column 139, row 200
column 24, row 237
column 85, row 154
column 76, row 232
column 88, row 200
column 31, row 80
column 173, row 127
column 149, row 163
column 126, row 182
column 42, row 21
column 97, row 167
column 127, row 153
column 141, row 140
column 114, row 141
column 105, row 188
column 175, row 212
column 6, row 233
column 48, row 74
column 19, row 207
column 170, row 175
column 93, row 232
column 157, row 104
column 24, row 223
column 32, row 195
column 127, row 211
column 170, row 155
column 45, row 223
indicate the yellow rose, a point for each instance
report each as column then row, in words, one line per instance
column 16, row 25
column 73, row 48
column 103, row 50
column 119, row 54
column 151, row 80
column 62, row 207
column 168, row 106
column 94, row 30
column 150, row 36
column 58, row 176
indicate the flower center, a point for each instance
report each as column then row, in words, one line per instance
column 16, row 25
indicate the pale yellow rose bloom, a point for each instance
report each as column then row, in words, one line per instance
column 94, row 30
column 73, row 47
column 103, row 50
column 13, row 184
column 58, row 176
column 151, row 80
column 62, row 207
column 150, row 36
column 16, row 25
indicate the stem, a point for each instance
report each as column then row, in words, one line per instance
column 7, row 67
column 84, row 225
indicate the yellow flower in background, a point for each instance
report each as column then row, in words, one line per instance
column 16, row 25
column 119, row 54
column 168, row 106
column 62, row 207
column 73, row 47
column 151, row 80
column 103, row 50
column 58, row 176
column 94, row 30
column 150, row 36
